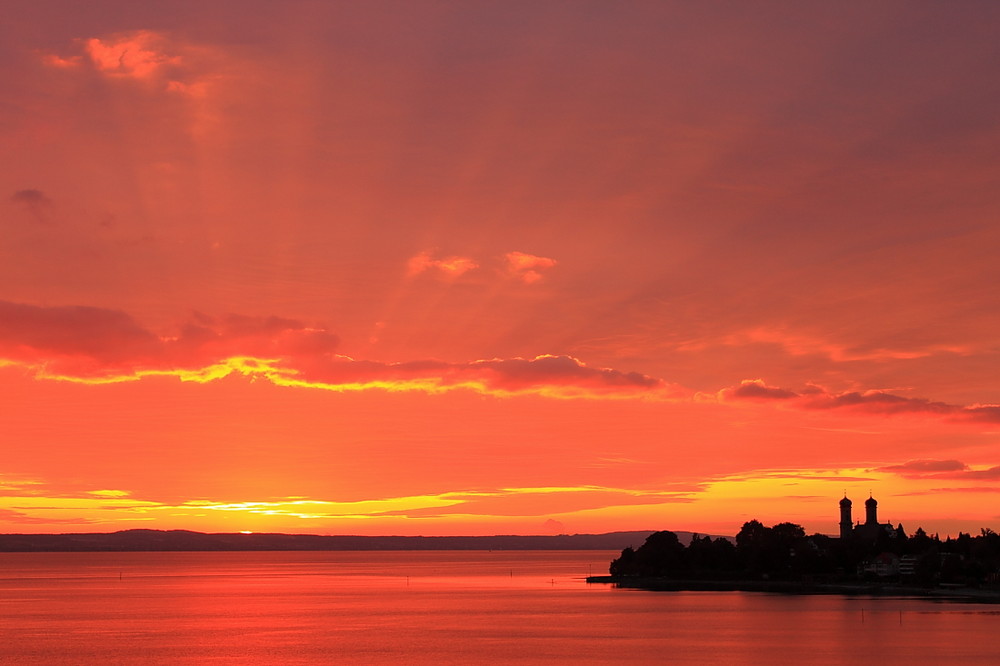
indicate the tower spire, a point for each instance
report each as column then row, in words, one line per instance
column 846, row 524
column 871, row 510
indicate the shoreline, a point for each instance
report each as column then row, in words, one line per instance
column 142, row 540
column 657, row 584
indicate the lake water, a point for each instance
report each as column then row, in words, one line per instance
column 447, row 607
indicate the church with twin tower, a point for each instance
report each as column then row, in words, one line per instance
column 867, row 530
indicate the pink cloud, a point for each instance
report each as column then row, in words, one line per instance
column 870, row 402
column 756, row 389
column 879, row 402
column 140, row 55
column 923, row 467
column 984, row 413
column 88, row 342
column 941, row 469
column 988, row 473
column 105, row 337
column 799, row 344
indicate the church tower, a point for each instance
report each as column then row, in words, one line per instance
column 871, row 511
column 846, row 523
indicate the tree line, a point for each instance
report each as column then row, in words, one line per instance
column 784, row 552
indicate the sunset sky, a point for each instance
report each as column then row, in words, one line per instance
column 498, row 267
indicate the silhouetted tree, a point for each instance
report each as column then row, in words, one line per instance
column 751, row 547
column 919, row 542
column 706, row 555
column 625, row 564
column 662, row 555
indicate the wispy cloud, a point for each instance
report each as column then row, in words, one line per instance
column 803, row 344
column 528, row 268
column 801, row 474
column 497, row 502
column 875, row 402
column 520, row 266
column 941, row 469
column 30, row 198
column 923, row 467
column 22, row 518
column 19, row 485
column 35, row 202
column 447, row 267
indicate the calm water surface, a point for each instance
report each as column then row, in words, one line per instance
column 442, row 607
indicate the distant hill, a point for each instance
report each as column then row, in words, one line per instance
column 184, row 540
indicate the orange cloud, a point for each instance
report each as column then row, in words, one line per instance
column 53, row 60
column 137, row 54
column 451, row 267
column 99, row 345
column 141, row 55
column 756, row 389
column 527, row 267
column 553, row 376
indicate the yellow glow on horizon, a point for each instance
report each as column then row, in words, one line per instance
column 100, row 506
column 110, row 493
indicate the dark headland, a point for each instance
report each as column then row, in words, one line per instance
column 184, row 540
column 866, row 558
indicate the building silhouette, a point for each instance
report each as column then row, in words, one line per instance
column 870, row 529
